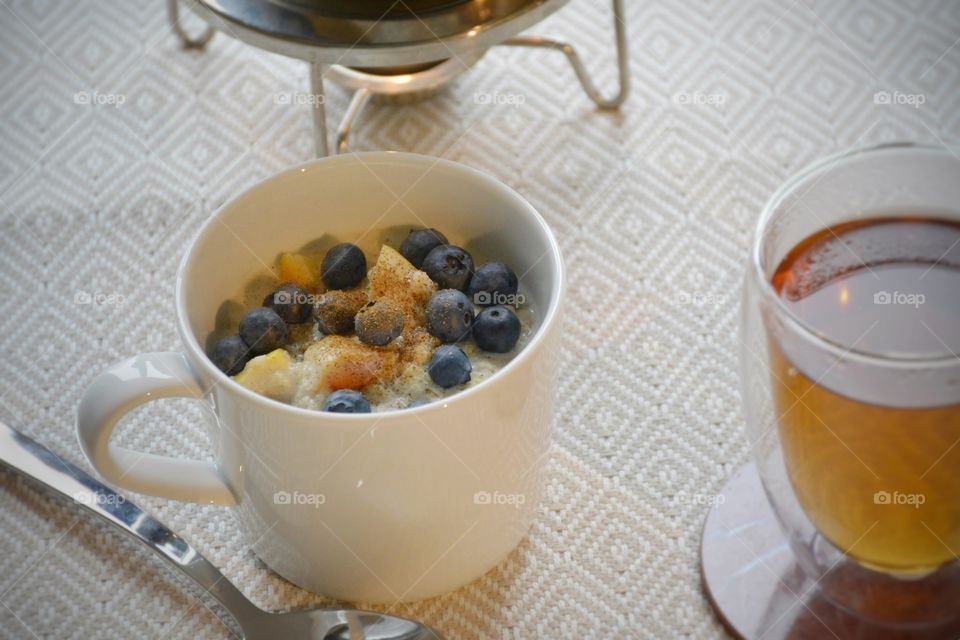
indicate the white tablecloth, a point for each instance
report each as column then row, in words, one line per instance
column 653, row 207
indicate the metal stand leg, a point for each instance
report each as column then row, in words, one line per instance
column 583, row 75
column 357, row 103
column 319, row 109
column 363, row 95
column 189, row 42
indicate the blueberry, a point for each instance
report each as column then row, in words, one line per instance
column 418, row 403
column 449, row 266
column 292, row 303
column 449, row 366
column 379, row 322
column 496, row 329
column 491, row 283
column 343, row 267
column 346, row 401
column 230, row 355
column 335, row 311
column 449, row 315
column 419, row 243
column 263, row 330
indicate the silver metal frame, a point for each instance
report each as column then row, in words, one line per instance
column 623, row 65
column 454, row 55
column 188, row 41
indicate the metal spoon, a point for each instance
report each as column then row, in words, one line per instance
column 35, row 461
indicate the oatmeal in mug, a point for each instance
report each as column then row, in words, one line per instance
column 321, row 331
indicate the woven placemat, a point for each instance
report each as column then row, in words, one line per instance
column 116, row 145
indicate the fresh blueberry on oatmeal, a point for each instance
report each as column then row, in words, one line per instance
column 449, row 315
column 263, row 330
column 449, row 266
column 336, row 310
column 230, row 354
column 419, row 243
column 346, row 401
column 449, row 366
column 386, row 336
column 291, row 302
column 379, row 322
column 496, row 329
column 492, row 283
column 343, row 267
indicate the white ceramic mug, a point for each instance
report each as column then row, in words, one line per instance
column 381, row 507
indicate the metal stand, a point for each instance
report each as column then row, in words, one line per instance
column 422, row 82
column 319, row 101
column 620, row 29
column 361, row 97
column 189, row 42
column 357, row 103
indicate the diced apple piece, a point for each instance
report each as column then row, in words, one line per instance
column 271, row 375
column 341, row 362
column 298, row 269
column 394, row 278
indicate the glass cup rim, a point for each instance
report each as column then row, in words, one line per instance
column 768, row 293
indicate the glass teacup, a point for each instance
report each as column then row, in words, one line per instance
column 851, row 378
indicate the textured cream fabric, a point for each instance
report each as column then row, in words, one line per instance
column 653, row 207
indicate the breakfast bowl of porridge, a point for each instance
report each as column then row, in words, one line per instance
column 374, row 338
column 327, row 329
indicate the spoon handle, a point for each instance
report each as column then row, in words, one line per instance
column 36, row 461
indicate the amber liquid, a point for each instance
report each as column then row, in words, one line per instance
column 882, row 483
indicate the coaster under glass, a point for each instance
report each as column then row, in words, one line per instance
column 758, row 590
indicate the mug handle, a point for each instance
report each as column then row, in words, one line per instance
column 117, row 391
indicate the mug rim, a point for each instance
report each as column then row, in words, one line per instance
column 769, row 294
column 198, row 354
